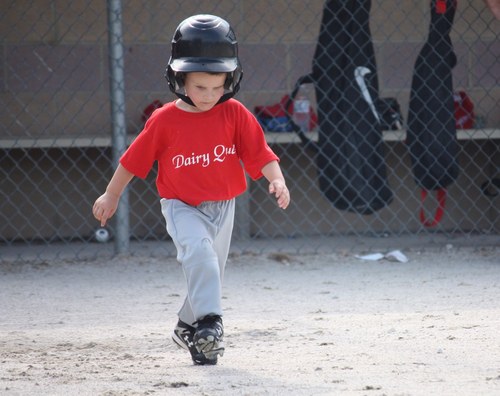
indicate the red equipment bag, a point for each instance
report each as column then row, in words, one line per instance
column 464, row 110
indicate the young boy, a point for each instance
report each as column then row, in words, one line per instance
column 203, row 143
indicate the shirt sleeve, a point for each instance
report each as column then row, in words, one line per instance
column 253, row 149
column 142, row 153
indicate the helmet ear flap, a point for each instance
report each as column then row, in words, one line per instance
column 175, row 80
column 179, row 80
column 233, row 81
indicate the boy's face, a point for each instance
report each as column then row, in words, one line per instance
column 204, row 89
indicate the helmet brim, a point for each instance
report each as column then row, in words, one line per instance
column 209, row 65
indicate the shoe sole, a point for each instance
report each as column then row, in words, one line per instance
column 210, row 347
column 210, row 360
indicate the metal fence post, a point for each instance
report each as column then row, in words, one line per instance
column 119, row 132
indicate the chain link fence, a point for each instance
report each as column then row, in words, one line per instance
column 78, row 79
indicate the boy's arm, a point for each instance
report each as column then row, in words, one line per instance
column 105, row 206
column 272, row 172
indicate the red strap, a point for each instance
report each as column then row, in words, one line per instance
column 441, row 197
column 440, row 6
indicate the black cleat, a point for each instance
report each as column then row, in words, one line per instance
column 209, row 335
column 183, row 336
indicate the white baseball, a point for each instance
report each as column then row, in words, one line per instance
column 102, row 235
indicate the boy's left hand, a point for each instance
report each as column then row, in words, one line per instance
column 280, row 191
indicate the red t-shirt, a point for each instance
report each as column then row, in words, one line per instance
column 201, row 156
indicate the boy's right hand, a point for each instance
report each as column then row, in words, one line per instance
column 105, row 207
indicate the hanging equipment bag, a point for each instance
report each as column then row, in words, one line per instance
column 350, row 148
column 431, row 132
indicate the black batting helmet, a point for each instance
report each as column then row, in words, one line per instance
column 204, row 43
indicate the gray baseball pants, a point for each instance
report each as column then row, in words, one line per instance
column 202, row 236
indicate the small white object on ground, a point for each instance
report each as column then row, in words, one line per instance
column 395, row 255
column 102, row 235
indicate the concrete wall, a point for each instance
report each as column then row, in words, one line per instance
column 54, row 67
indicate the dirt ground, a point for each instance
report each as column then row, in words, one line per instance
column 320, row 324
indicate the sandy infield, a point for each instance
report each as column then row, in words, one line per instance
column 325, row 324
